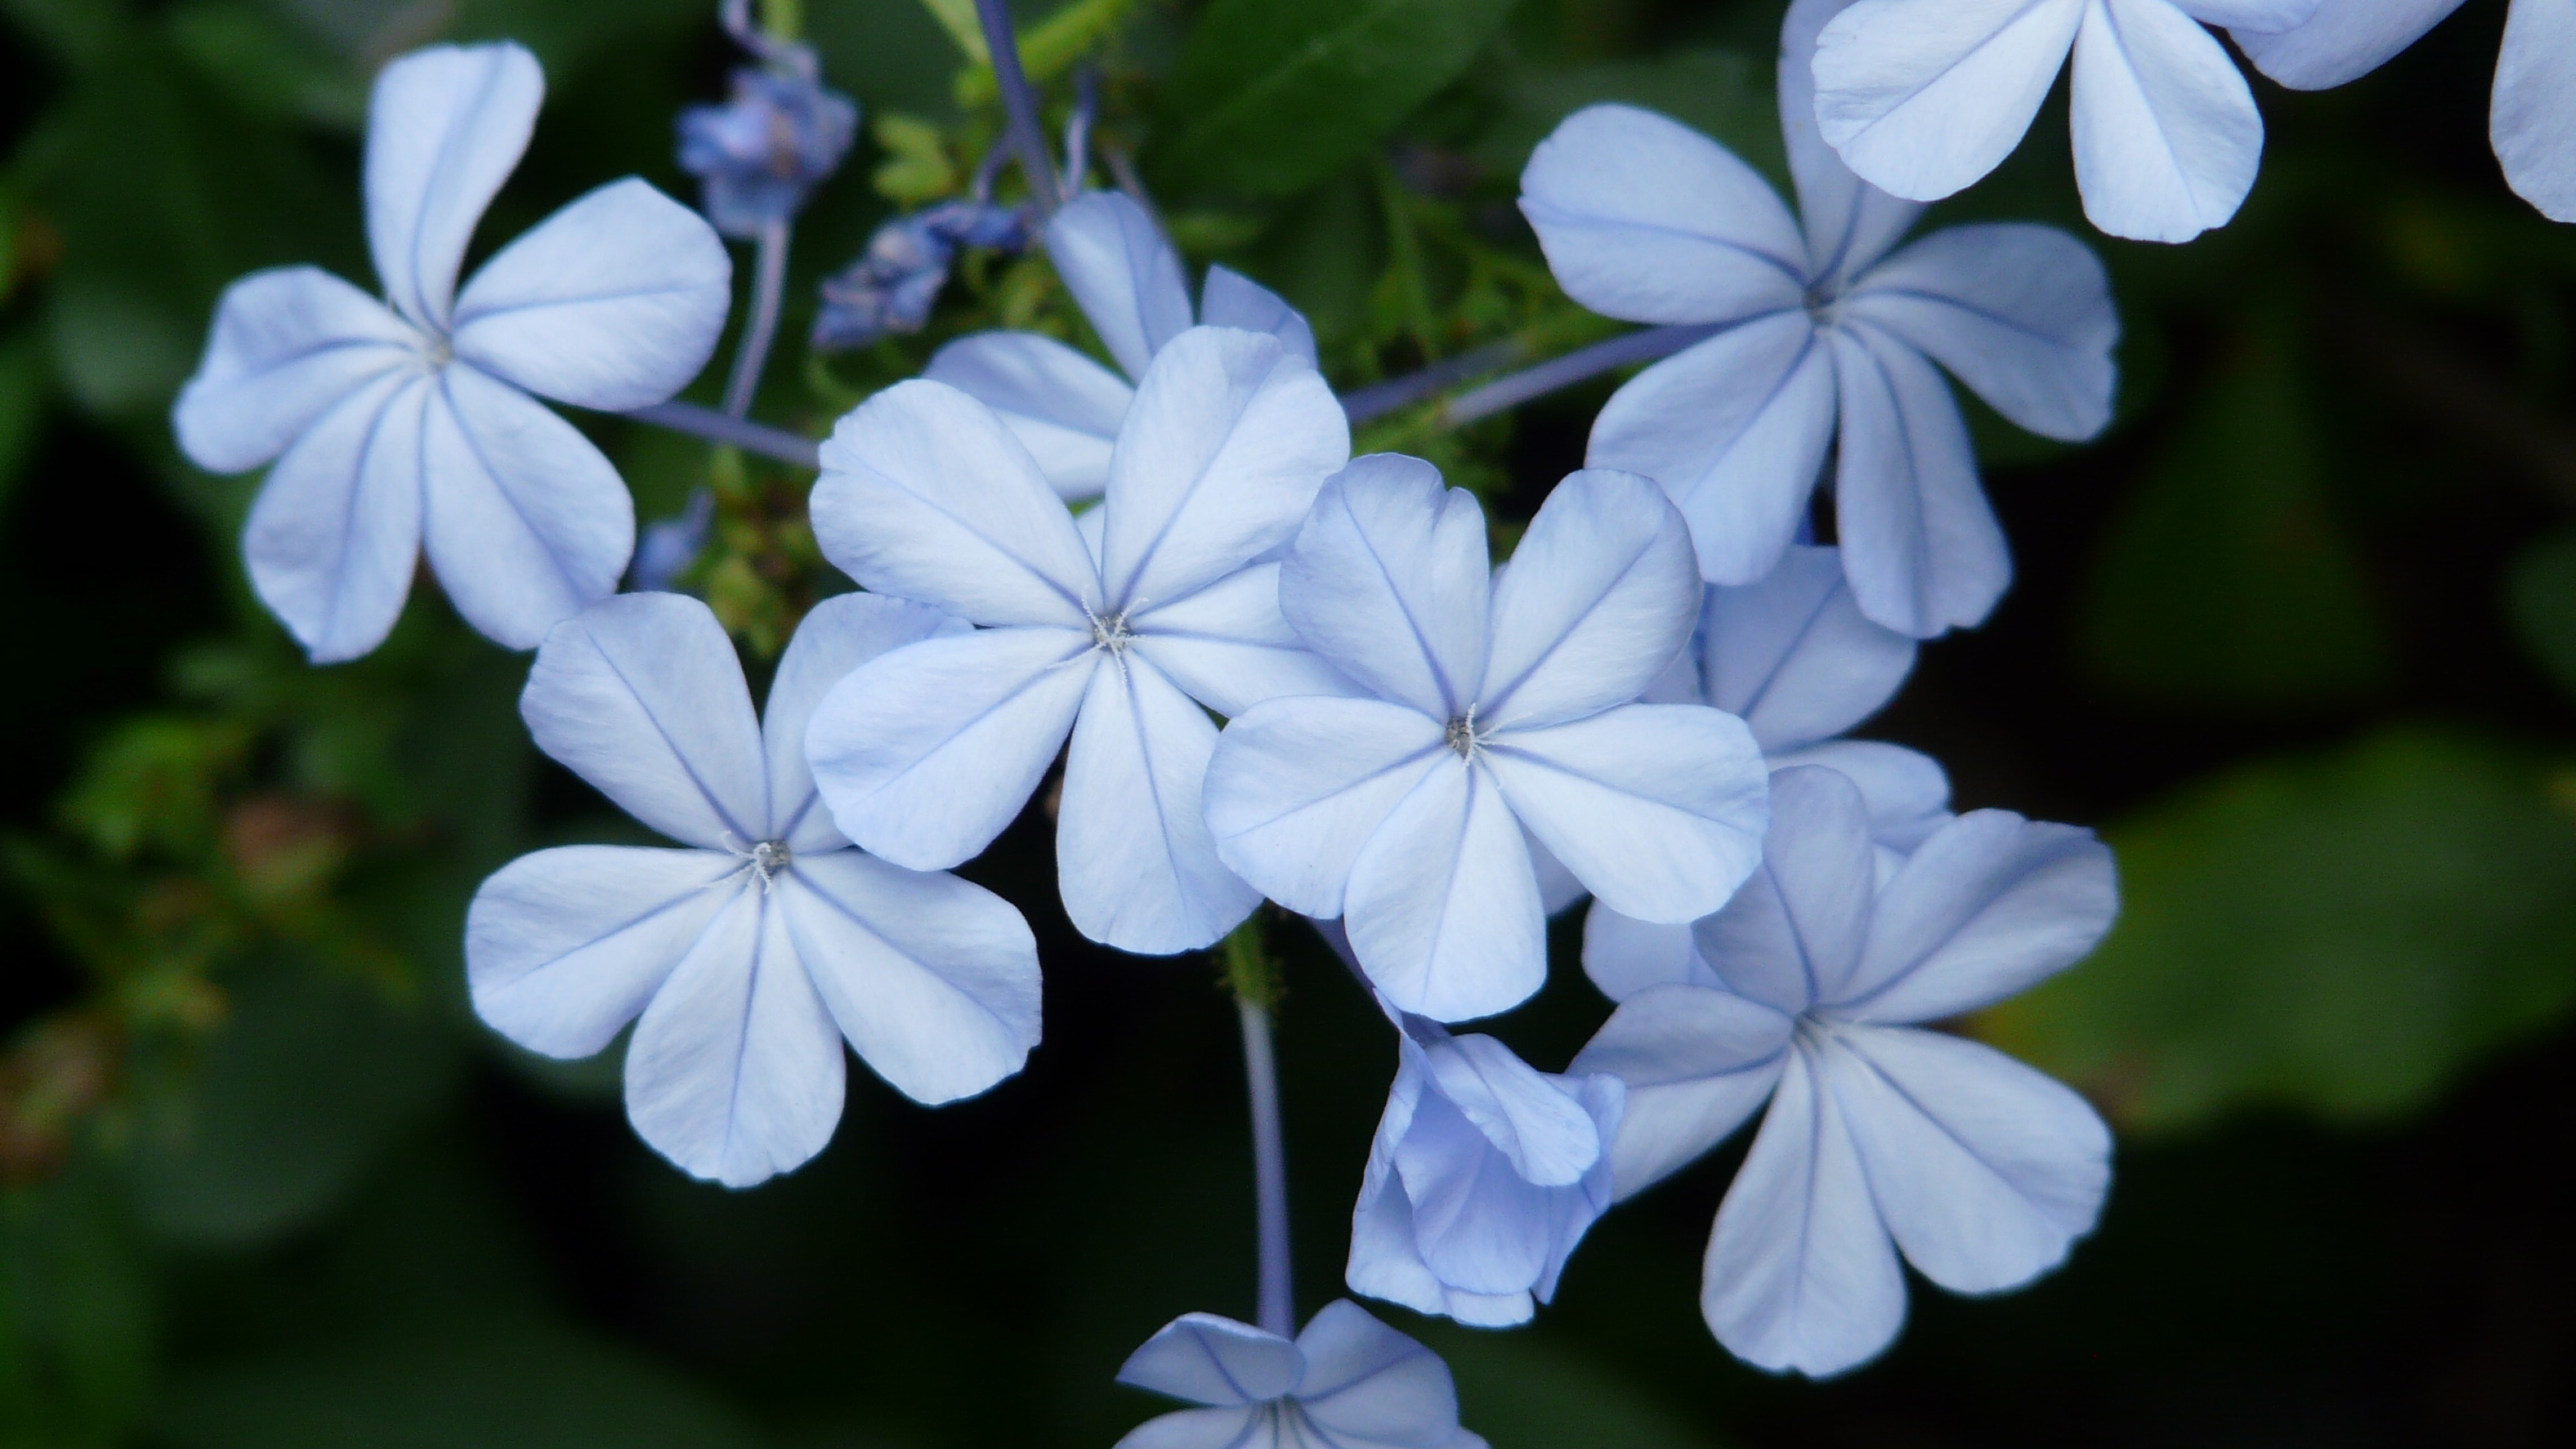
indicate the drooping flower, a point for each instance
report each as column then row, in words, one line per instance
column 1484, row 1175
column 403, row 426
column 897, row 280
column 745, row 958
column 1808, row 990
column 765, row 150
column 1128, row 281
column 1795, row 659
column 1499, row 703
column 1347, row 1382
column 2531, row 119
column 926, row 753
column 1818, row 336
column 1923, row 97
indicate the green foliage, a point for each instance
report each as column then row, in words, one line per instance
column 1268, row 98
column 1724, row 93
column 1527, row 1393
column 24, row 382
column 2342, row 934
column 2540, row 596
column 76, row 1316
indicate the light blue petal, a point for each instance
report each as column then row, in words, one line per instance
column 1226, row 1428
column 1989, row 906
column 1297, row 786
column 1697, row 1063
column 613, row 303
column 289, row 345
column 1124, row 274
column 1800, row 1275
column 1443, row 909
column 1658, row 808
column 1228, row 646
column 1922, row 100
column 1735, row 429
column 2344, row 41
column 1230, row 299
column 1558, row 890
column 1647, row 220
column 1389, row 581
column 524, row 519
column 926, row 495
column 1906, row 792
column 1624, row 955
column 1848, row 222
column 924, row 754
column 838, row 635
column 1062, row 406
column 1480, row 1226
column 1206, row 1359
column 2533, row 115
column 734, row 1072
column 934, row 980
column 1542, row 1132
column 1601, row 594
column 1572, row 1210
column 1794, row 656
column 1133, row 856
column 2022, row 314
column 1365, row 1381
column 2255, row 16
column 1919, row 544
column 1792, row 936
column 563, row 947
column 1217, row 463
column 445, row 127
column 333, row 539
column 2167, row 139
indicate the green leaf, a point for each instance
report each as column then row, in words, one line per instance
column 268, row 66
column 2540, row 597
column 1724, row 94
column 2342, row 933
column 1521, row 1392
column 1270, row 97
column 24, row 385
column 2227, row 580
column 75, row 1316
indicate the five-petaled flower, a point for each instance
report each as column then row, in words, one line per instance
column 1808, row 990
column 408, row 425
column 1818, row 336
column 750, row 954
column 1347, row 1382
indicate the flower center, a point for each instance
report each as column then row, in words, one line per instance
column 1823, row 307
column 1464, row 737
column 1110, row 633
column 770, row 859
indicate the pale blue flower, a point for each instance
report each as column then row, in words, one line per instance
column 752, row 953
column 1124, row 639
column 1347, row 1382
column 1128, row 281
column 1501, row 702
column 765, row 150
column 1809, row 990
column 897, row 280
column 1484, row 1175
column 1819, row 335
column 403, row 426
column 1923, row 97
column 2531, row 120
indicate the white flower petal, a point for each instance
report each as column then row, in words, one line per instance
column 933, row 979
column 563, row 947
column 2167, row 139
column 1848, row 222
column 1558, row 889
column 1124, row 274
column 1442, row 908
column 1697, row 1063
column 1658, row 808
column 1647, row 220
column 1800, row 1274
column 1217, row 463
column 734, row 1072
column 1735, row 429
column 2255, row 16
column 838, row 635
column 2022, row 314
column 1385, row 1263
column 1228, row 646
column 1366, row 1381
column 613, row 303
column 1206, row 1359
column 1062, row 406
column 1793, row 935
column 1480, row 1227
column 1539, row 1128
column 1919, row 543
column 526, row 522
column 1794, row 656
column 1624, row 955
column 445, row 127
column 1389, row 581
column 2343, row 41
column 2532, row 122
column 1923, row 99
column 1990, row 905
column 289, row 345
column 1984, row 1170
column 333, row 539
column 1601, row 594
column 1226, row 1428
column 1230, row 299
column 925, row 495
column 1906, row 792
column 926, row 753
column 1297, row 786
column 1133, row 855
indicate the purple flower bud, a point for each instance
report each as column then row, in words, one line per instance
column 896, row 281
column 763, row 152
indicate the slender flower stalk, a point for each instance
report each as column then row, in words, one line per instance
column 768, row 285
column 717, row 427
column 1582, row 364
column 1278, row 1311
column 1028, row 137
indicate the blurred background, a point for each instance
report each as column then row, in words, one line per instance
column 2298, row 634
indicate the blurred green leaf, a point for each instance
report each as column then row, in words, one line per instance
column 1521, row 1392
column 24, row 384
column 565, row 34
column 2341, row 933
column 1723, row 93
column 2227, row 579
column 296, row 1097
column 477, row 1386
column 1268, row 98
column 75, row 1317
column 2540, row 596
column 153, row 781
column 77, row 31
column 269, row 67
